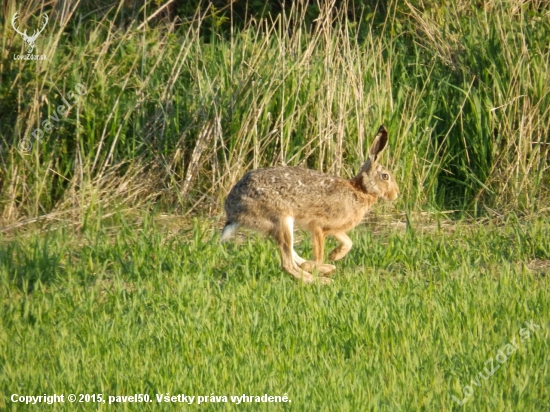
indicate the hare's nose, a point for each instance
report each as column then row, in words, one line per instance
column 395, row 193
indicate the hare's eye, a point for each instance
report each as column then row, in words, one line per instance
column 385, row 176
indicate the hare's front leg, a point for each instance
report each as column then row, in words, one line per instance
column 343, row 248
column 318, row 239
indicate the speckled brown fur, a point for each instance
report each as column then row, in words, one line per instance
column 274, row 199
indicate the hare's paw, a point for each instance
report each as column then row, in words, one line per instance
column 299, row 274
column 322, row 268
column 307, row 266
column 326, row 269
column 324, row 281
column 306, row 277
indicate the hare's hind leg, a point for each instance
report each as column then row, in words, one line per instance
column 283, row 233
column 343, row 248
column 297, row 258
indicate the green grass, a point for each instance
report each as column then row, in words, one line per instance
column 412, row 317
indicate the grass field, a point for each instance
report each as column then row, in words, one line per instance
column 413, row 317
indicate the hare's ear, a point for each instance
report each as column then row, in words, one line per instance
column 380, row 142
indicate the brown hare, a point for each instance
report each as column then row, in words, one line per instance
column 276, row 199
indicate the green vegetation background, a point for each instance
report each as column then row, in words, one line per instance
column 181, row 101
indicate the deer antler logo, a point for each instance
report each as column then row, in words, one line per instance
column 30, row 40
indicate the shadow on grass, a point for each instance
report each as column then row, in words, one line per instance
column 26, row 263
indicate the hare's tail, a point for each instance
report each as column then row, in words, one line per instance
column 229, row 230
